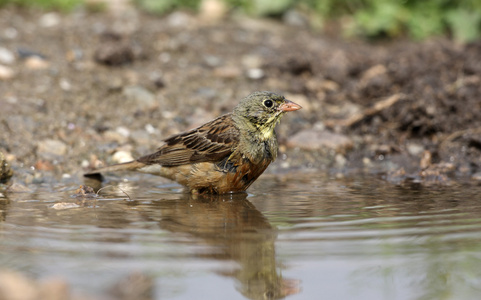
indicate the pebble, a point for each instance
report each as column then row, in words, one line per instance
column 311, row 139
column 65, row 85
column 151, row 129
column 50, row 148
column 212, row 11
column 65, row 205
column 213, row 61
column 50, row 19
column 6, row 56
column 141, row 96
column 415, row 149
column 255, row 73
column 36, row 63
column 85, row 164
column 123, row 131
column 6, row 73
column 366, row 161
column 340, row 160
column 122, row 156
column 114, row 136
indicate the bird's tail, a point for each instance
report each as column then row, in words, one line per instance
column 128, row 166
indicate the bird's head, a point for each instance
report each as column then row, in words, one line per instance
column 261, row 111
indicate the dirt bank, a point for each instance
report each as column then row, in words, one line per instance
column 84, row 88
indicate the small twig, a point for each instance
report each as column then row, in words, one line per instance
column 457, row 134
column 107, row 186
column 368, row 112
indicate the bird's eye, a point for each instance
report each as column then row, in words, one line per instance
column 268, row 103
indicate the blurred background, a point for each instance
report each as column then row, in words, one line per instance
column 365, row 18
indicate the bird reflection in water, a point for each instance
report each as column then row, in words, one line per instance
column 240, row 232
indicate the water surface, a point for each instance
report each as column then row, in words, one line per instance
column 294, row 236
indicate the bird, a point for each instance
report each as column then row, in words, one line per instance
column 225, row 155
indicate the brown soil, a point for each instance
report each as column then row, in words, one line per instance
column 123, row 80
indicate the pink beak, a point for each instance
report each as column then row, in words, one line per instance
column 289, row 106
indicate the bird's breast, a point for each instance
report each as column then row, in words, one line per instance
column 242, row 175
column 233, row 175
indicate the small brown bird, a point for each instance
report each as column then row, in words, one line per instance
column 224, row 155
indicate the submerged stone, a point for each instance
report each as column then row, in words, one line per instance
column 5, row 170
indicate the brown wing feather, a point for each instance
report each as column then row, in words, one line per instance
column 212, row 141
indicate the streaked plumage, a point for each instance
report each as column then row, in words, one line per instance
column 224, row 155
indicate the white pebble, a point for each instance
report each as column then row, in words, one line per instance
column 255, row 73
column 49, row 20
column 6, row 56
column 150, row 129
column 124, row 131
column 65, row 205
column 122, row 157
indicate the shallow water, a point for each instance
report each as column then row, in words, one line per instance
column 304, row 237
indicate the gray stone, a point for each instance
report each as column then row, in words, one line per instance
column 50, row 148
column 140, row 95
column 311, row 139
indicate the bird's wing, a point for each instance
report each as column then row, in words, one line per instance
column 212, row 141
